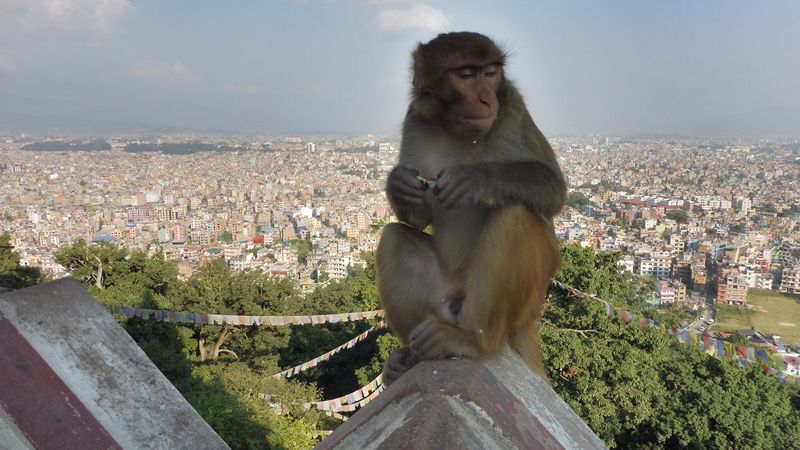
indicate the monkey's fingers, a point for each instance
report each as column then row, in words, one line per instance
column 430, row 340
column 408, row 188
column 442, row 181
column 454, row 196
column 408, row 176
column 417, row 183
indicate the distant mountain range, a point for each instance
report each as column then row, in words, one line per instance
column 778, row 122
column 26, row 114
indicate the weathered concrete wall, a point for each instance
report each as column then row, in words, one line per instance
column 59, row 339
column 11, row 437
column 460, row 404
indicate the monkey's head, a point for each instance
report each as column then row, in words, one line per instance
column 458, row 78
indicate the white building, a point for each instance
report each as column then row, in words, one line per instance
column 336, row 267
column 627, row 263
column 790, row 281
column 656, row 264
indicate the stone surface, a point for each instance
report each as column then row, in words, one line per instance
column 460, row 404
column 109, row 389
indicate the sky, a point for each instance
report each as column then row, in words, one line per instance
column 342, row 66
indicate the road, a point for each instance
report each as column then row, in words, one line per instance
column 709, row 314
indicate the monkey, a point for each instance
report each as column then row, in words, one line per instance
column 476, row 172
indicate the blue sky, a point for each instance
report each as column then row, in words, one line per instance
column 605, row 67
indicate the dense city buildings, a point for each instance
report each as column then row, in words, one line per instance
column 250, row 207
column 717, row 215
column 720, row 216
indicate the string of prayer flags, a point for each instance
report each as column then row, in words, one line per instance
column 712, row 346
column 335, row 415
column 325, row 356
column 230, row 319
column 346, row 403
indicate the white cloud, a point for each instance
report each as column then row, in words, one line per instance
column 352, row 2
column 162, row 71
column 99, row 17
column 419, row 16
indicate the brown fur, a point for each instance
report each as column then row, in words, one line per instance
column 493, row 250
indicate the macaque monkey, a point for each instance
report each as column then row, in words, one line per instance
column 475, row 167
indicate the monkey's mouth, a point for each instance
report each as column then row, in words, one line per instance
column 480, row 123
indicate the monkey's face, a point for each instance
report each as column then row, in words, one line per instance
column 473, row 109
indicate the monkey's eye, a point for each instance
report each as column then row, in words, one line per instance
column 490, row 70
column 466, row 72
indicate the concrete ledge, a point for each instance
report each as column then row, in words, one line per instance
column 460, row 404
column 71, row 377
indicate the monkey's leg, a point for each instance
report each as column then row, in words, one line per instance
column 410, row 285
column 409, row 278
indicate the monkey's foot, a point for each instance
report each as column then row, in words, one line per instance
column 398, row 363
column 435, row 338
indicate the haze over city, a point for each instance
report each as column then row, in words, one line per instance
column 691, row 68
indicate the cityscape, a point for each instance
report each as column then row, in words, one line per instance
column 686, row 211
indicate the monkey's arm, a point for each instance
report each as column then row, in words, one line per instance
column 406, row 192
column 531, row 183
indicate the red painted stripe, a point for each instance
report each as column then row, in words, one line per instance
column 39, row 402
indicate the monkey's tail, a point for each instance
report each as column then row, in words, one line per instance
column 525, row 342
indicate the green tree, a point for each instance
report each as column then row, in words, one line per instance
column 211, row 289
column 303, row 247
column 12, row 274
column 120, row 277
column 93, row 263
column 386, row 344
column 678, row 215
column 9, row 260
column 577, row 200
column 599, row 273
column 645, row 390
column 766, row 208
column 227, row 398
column 226, row 237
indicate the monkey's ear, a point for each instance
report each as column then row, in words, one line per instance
column 425, row 104
column 420, row 71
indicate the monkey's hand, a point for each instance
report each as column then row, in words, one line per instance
column 404, row 188
column 462, row 185
column 398, row 363
column 436, row 339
